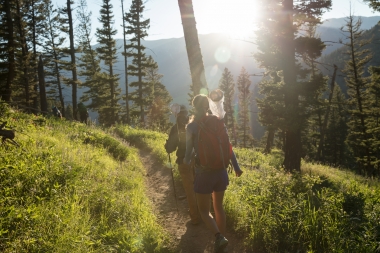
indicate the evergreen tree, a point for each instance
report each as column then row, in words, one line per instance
column 158, row 107
column 53, row 54
column 243, row 128
column 23, row 56
column 271, row 107
column 7, row 50
column 126, row 97
column 373, row 91
column 88, row 62
column 137, row 28
column 67, row 26
column 277, row 45
column 359, row 137
column 109, row 110
column 227, row 85
column 335, row 148
column 321, row 151
column 374, row 4
column 34, row 21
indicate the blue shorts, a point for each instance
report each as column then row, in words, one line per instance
column 210, row 181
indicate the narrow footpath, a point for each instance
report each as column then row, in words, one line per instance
column 185, row 237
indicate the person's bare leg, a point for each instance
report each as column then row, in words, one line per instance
column 188, row 184
column 220, row 215
column 204, row 201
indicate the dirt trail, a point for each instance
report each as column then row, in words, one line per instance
column 186, row 238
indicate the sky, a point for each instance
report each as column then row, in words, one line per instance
column 212, row 16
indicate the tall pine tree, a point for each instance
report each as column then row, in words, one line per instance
column 7, row 50
column 243, row 129
column 359, row 137
column 374, row 120
column 137, row 27
column 109, row 111
column 126, row 96
column 89, row 64
column 67, row 26
column 227, row 85
column 53, row 43
column 277, row 47
column 158, row 108
column 335, row 147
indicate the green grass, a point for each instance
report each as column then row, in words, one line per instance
column 70, row 188
column 150, row 140
column 279, row 212
column 333, row 211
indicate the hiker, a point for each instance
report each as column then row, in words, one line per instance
column 56, row 112
column 208, row 182
column 83, row 113
column 216, row 104
column 177, row 141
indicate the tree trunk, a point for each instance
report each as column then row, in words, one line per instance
column 73, row 63
column 270, row 139
column 292, row 161
column 320, row 155
column 192, row 46
column 41, row 82
column 24, row 52
column 11, row 54
column 35, row 84
column 58, row 76
column 125, row 66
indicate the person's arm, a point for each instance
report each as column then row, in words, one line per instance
column 172, row 143
column 235, row 165
column 189, row 146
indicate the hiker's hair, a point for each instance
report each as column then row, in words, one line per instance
column 182, row 118
column 198, row 102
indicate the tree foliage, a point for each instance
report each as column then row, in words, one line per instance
column 137, row 28
column 109, row 80
column 227, row 85
column 158, row 111
column 243, row 129
column 281, row 48
column 360, row 134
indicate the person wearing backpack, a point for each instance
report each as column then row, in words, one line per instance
column 207, row 136
column 56, row 112
column 177, row 141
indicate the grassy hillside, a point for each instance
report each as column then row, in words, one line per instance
column 72, row 188
column 323, row 210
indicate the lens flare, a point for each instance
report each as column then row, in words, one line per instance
column 203, row 91
column 222, row 54
column 214, row 70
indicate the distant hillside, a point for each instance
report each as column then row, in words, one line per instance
column 367, row 22
column 219, row 52
column 338, row 57
column 329, row 31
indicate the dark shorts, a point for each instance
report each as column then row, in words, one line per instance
column 210, row 181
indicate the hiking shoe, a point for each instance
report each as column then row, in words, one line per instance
column 238, row 173
column 220, row 244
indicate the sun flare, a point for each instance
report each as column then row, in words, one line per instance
column 234, row 17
